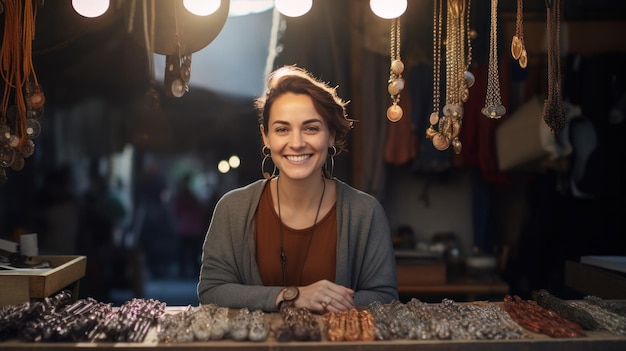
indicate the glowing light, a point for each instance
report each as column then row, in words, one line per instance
column 388, row 9
column 234, row 161
column 202, row 7
column 293, row 8
column 223, row 166
column 90, row 8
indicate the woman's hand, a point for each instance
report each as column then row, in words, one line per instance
column 325, row 295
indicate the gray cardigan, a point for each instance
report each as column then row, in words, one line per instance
column 230, row 276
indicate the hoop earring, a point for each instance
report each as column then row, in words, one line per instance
column 328, row 173
column 265, row 151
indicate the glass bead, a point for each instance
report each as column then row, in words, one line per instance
column 397, row 67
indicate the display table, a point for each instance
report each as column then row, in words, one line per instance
column 594, row 341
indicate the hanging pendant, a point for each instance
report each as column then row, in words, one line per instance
column 469, row 78
column 456, row 145
column 516, row 47
column 523, row 59
column 434, row 118
column 441, row 142
column 394, row 113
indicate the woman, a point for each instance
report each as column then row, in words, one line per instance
column 300, row 236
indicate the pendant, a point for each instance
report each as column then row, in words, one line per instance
column 516, row 47
column 394, row 113
column 469, row 78
column 434, row 118
column 523, row 59
column 456, row 145
column 441, row 142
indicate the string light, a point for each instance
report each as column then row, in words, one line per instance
column 91, row 8
column 293, row 8
column 388, row 9
column 202, row 7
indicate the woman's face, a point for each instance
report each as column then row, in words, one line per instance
column 297, row 136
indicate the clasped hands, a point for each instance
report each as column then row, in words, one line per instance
column 325, row 296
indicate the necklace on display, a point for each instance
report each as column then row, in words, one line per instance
column 493, row 101
column 396, row 82
column 283, row 256
column 554, row 108
column 518, row 49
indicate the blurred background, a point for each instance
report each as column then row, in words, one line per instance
column 127, row 169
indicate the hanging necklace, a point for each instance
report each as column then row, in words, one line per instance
column 396, row 82
column 493, row 102
column 518, row 49
column 458, row 57
column 283, row 257
column 554, row 109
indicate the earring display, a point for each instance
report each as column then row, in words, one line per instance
column 396, row 82
column 444, row 130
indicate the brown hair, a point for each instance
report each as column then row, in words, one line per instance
column 292, row 79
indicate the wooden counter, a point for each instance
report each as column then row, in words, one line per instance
column 604, row 341
column 592, row 280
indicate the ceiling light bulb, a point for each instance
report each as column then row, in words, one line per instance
column 293, row 8
column 202, row 7
column 91, row 8
column 388, row 9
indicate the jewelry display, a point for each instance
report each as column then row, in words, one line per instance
column 18, row 121
column 537, row 319
column 239, row 330
column 351, row 325
column 203, row 323
column 518, row 49
column 607, row 320
column 566, row 310
column 611, row 306
column 396, row 82
column 258, row 329
column 554, row 108
column 444, row 130
column 298, row 324
column 448, row 320
column 493, row 101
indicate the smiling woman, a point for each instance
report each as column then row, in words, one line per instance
column 321, row 230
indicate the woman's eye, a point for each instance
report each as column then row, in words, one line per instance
column 312, row 129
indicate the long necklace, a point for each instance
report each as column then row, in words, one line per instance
column 396, row 82
column 493, row 102
column 283, row 256
column 518, row 49
column 554, row 109
column 458, row 58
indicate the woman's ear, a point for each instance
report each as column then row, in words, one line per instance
column 263, row 135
